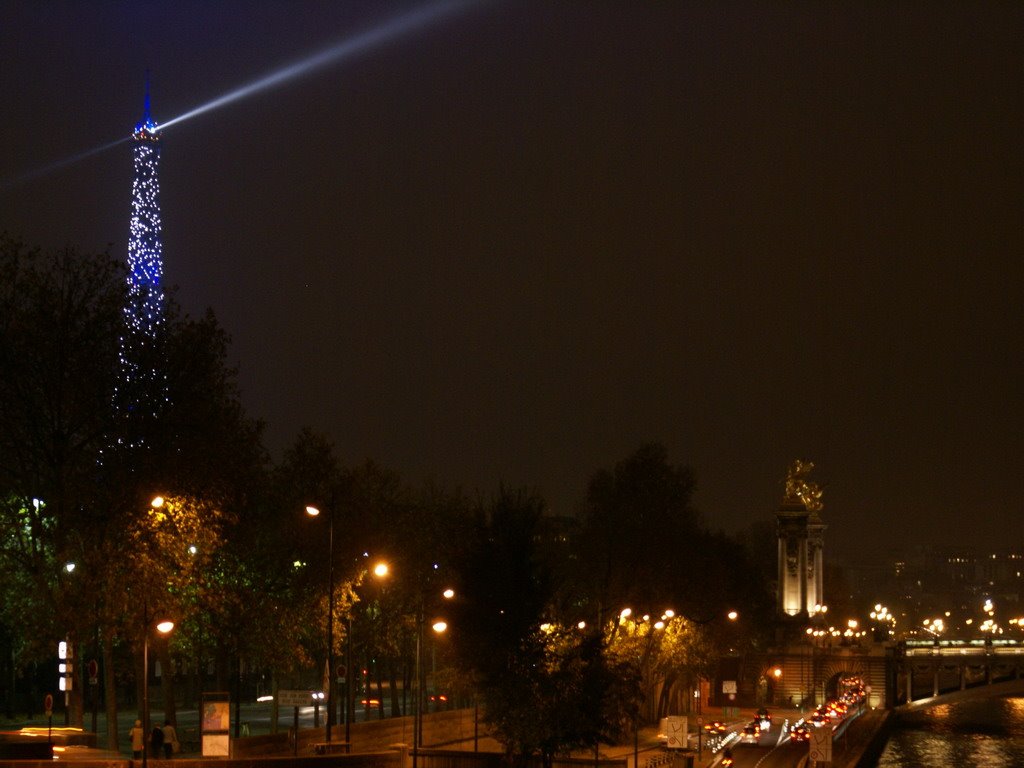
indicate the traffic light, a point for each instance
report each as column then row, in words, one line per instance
column 65, row 665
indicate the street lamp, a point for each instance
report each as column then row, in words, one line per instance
column 380, row 570
column 417, row 731
column 163, row 627
column 438, row 627
column 313, row 512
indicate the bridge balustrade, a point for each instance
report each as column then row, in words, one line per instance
column 945, row 666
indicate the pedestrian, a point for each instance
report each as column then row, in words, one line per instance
column 171, row 744
column 156, row 741
column 138, row 740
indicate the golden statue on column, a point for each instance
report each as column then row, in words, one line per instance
column 800, row 490
column 801, row 543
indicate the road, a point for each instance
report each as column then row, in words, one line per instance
column 773, row 749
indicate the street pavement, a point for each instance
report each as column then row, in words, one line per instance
column 647, row 751
column 255, row 719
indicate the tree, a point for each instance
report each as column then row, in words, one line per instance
column 643, row 547
column 77, row 474
column 418, row 532
column 60, row 316
column 639, row 526
column 504, row 592
column 545, row 688
column 200, row 450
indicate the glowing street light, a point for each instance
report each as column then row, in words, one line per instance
column 163, row 627
column 315, row 512
column 439, row 627
column 380, row 570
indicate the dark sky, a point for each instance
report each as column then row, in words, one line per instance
column 516, row 244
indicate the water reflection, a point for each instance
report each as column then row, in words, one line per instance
column 988, row 732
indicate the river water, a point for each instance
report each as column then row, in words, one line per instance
column 986, row 732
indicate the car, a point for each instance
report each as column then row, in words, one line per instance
column 763, row 714
column 835, row 710
column 800, row 731
column 751, row 733
column 715, row 727
column 820, row 718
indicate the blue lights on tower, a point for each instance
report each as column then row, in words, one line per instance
column 143, row 388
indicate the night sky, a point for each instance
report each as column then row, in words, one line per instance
column 517, row 243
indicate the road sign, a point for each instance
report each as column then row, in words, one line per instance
column 295, row 698
column 340, row 672
column 48, row 704
column 821, row 744
column 675, row 732
column 94, row 671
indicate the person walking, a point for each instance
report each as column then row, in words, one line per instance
column 171, row 744
column 156, row 742
column 138, row 740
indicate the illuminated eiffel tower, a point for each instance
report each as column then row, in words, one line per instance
column 142, row 389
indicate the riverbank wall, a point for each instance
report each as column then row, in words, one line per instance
column 863, row 742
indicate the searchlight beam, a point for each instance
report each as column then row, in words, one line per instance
column 347, row 48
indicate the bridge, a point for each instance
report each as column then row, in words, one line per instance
column 1006, row 688
column 895, row 674
column 809, row 665
column 929, row 670
column 805, row 674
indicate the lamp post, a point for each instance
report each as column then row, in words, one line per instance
column 418, row 716
column 438, row 627
column 380, row 571
column 349, row 699
column 163, row 627
column 313, row 512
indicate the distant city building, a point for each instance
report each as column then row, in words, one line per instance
column 952, row 583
